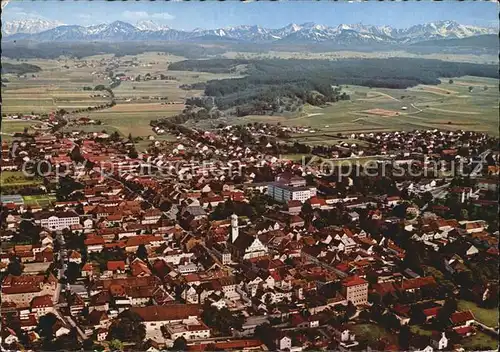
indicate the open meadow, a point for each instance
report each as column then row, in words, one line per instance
column 486, row 316
column 42, row 200
column 130, row 118
column 480, row 341
column 10, row 127
column 468, row 103
column 59, row 85
column 446, row 106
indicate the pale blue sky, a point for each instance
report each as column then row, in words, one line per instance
column 211, row 14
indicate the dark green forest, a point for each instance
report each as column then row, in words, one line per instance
column 19, row 69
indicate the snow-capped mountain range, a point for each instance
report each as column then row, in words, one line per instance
column 293, row 33
column 148, row 25
column 29, row 26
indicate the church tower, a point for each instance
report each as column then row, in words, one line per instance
column 234, row 228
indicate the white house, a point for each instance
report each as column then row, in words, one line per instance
column 11, row 338
column 284, row 343
column 345, row 337
column 439, row 341
column 62, row 331
column 88, row 223
column 472, row 250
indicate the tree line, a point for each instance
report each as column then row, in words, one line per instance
column 19, row 69
column 53, row 50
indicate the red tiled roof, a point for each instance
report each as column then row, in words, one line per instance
column 464, row 330
column 94, row 240
column 461, row 317
column 42, row 302
column 418, row 282
column 342, row 267
column 296, row 219
column 431, row 312
column 353, row 281
column 87, row 267
column 167, row 312
column 294, row 204
column 492, row 251
column 153, row 212
column 297, row 319
column 384, row 288
column 402, row 309
column 138, row 267
column 145, row 239
column 114, row 217
column 192, row 277
column 114, row 265
column 316, row 200
column 75, row 255
column 229, row 345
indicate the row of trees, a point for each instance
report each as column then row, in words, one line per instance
column 95, row 108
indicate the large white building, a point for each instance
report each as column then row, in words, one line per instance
column 284, row 193
column 355, row 289
column 57, row 220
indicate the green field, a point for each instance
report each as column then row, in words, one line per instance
column 40, row 200
column 480, row 342
column 488, row 317
column 142, row 145
column 417, row 330
column 169, row 88
column 10, row 179
column 445, row 106
column 10, row 127
column 372, row 333
column 55, row 87
column 131, row 118
column 427, row 107
column 58, row 87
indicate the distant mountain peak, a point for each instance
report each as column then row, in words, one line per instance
column 307, row 32
column 148, row 25
column 28, row 26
